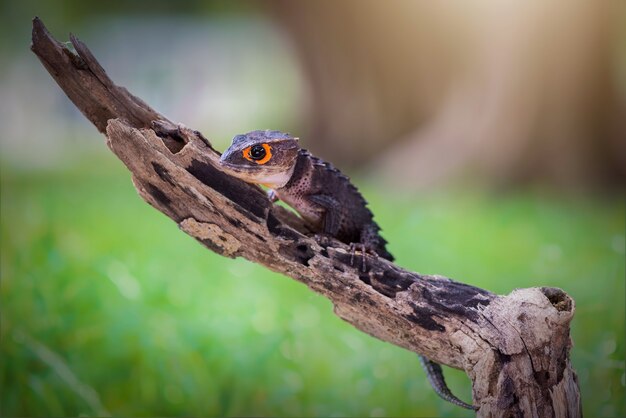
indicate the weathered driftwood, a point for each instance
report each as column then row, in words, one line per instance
column 514, row 348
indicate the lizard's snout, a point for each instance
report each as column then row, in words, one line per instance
column 224, row 156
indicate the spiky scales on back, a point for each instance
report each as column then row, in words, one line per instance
column 327, row 200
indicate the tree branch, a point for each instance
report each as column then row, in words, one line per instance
column 514, row 348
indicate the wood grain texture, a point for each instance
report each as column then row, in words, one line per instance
column 514, row 348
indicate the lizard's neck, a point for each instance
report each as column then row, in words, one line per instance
column 298, row 169
column 278, row 180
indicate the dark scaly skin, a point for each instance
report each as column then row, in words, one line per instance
column 324, row 197
column 320, row 192
column 438, row 382
column 330, row 204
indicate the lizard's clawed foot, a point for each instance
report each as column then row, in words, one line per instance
column 364, row 250
column 323, row 240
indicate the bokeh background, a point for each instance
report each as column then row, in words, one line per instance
column 489, row 138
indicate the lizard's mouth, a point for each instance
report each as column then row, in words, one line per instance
column 232, row 167
column 236, row 170
column 257, row 175
column 249, row 174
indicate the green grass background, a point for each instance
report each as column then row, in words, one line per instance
column 107, row 308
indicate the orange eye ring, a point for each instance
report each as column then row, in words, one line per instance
column 268, row 154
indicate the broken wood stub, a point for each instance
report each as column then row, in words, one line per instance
column 514, row 348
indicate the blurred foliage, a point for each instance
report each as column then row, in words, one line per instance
column 62, row 14
column 108, row 308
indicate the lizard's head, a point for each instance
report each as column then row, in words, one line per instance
column 263, row 157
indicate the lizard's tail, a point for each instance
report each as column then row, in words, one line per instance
column 437, row 381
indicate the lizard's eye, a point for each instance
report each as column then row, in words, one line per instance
column 257, row 152
column 260, row 154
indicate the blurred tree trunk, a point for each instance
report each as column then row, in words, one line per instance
column 514, row 91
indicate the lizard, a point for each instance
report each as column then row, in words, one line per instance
column 324, row 198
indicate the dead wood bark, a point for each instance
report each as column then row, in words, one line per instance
column 514, row 348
